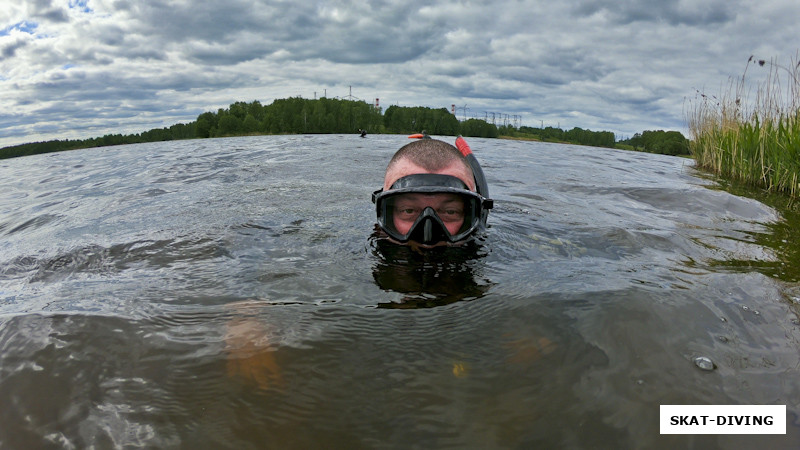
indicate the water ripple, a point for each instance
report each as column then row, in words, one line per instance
column 228, row 293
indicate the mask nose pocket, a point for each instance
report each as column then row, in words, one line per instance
column 429, row 228
column 428, row 235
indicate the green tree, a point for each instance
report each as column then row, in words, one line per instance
column 229, row 125
column 250, row 124
column 478, row 128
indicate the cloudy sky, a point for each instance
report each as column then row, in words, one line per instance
column 85, row 68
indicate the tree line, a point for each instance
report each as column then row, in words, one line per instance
column 296, row 115
column 290, row 116
column 660, row 141
column 575, row 135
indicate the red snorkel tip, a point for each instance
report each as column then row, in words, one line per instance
column 463, row 147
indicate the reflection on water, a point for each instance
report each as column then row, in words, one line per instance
column 226, row 293
column 429, row 278
column 779, row 238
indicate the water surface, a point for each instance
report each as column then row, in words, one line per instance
column 226, row 293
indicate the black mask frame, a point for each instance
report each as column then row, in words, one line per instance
column 429, row 228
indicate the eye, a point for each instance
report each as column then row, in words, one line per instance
column 451, row 213
column 405, row 211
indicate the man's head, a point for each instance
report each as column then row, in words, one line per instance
column 429, row 195
column 428, row 156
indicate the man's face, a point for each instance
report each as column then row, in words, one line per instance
column 404, row 167
column 408, row 207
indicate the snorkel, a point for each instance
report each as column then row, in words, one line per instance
column 481, row 186
column 480, row 179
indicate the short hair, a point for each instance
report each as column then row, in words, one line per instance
column 430, row 154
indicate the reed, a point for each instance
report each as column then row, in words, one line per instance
column 755, row 142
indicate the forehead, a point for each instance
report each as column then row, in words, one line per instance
column 405, row 167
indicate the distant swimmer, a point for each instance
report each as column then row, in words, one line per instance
column 434, row 194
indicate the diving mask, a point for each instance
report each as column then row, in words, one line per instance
column 430, row 208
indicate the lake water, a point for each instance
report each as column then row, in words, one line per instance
column 227, row 293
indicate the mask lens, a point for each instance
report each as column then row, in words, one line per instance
column 429, row 217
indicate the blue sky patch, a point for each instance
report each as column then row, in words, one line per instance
column 80, row 5
column 24, row 26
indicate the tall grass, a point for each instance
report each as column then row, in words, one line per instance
column 756, row 142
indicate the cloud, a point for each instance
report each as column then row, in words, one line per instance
column 78, row 68
column 9, row 44
column 672, row 12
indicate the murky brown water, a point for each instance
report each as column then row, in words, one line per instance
column 226, row 294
